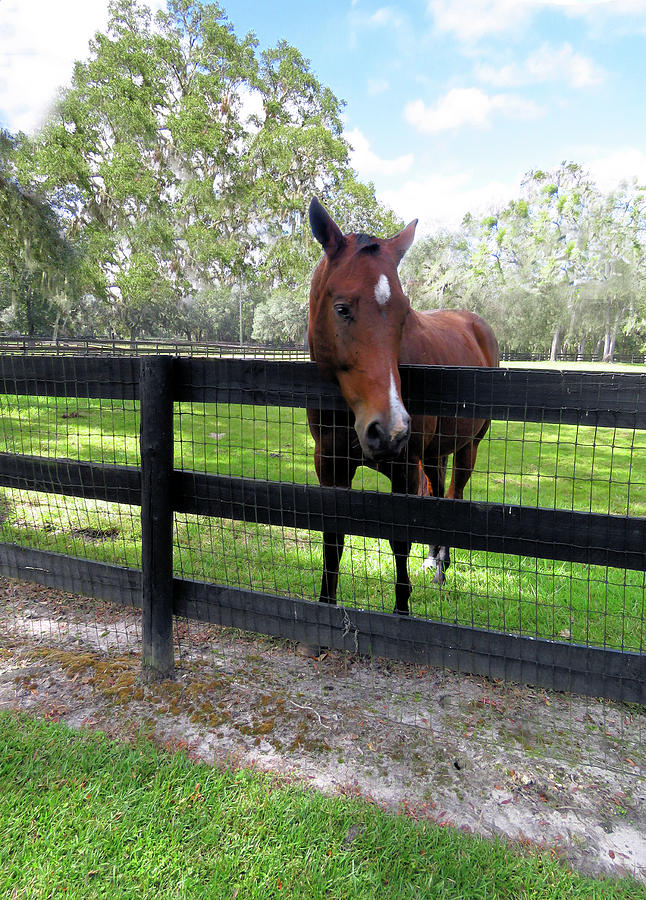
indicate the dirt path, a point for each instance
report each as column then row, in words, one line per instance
column 458, row 750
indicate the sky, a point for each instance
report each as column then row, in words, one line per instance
column 448, row 103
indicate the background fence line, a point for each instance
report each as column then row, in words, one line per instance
column 603, row 400
column 103, row 346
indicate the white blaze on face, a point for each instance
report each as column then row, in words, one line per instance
column 398, row 414
column 382, row 290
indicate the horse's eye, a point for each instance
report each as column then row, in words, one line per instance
column 343, row 310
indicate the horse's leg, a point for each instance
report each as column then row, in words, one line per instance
column 464, row 461
column 335, row 467
column 406, row 478
column 438, row 556
column 333, row 471
column 332, row 552
column 463, row 464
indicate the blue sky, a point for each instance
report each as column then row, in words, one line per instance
column 448, row 102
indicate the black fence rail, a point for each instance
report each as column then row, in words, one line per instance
column 157, row 383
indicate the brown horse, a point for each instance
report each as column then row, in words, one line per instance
column 361, row 327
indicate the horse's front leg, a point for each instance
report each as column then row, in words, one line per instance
column 438, row 557
column 332, row 553
column 403, row 587
column 405, row 479
column 335, row 464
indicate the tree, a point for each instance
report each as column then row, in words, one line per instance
column 185, row 162
column 100, row 153
column 614, row 289
column 38, row 265
column 561, row 266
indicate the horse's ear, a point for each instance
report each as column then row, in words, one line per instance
column 325, row 229
column 402, row 241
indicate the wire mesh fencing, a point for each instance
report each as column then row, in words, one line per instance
column 546, row 582
column 570, row 468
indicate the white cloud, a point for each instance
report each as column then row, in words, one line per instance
column 548, row 63
column 609, row 169
column 386, row 16
column 471, row 20
column 366, row 161
column 40, row 41
column 385, row 19
column 441, row 200
column 377, row 86
column 466, row 106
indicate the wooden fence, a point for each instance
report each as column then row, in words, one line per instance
column 102, row 346
column 157, row 382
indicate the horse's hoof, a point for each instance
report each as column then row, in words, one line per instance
column 400, row 612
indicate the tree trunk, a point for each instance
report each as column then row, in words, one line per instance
column 29, row 313
column 556, row 344
column 606, row 337
column 611, row 339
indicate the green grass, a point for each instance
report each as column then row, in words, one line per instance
column 84, row 817
column 564, row 467
column 637, row 368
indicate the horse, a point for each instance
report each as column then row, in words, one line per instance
column 361, row 328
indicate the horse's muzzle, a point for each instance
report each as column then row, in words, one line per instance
column 379, row 443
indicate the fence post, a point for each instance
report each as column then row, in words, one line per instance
column 156, row 445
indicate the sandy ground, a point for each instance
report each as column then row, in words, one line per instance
column 559, row 771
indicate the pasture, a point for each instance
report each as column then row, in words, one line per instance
column 554, row 466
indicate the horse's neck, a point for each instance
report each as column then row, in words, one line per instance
column 414, row 347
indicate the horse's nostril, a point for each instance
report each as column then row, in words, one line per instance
column 375, row 434
column 402, row 438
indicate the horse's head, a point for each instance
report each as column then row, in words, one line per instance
column 357, row 316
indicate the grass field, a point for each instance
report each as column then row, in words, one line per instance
column 83, row 817
column 554, row 466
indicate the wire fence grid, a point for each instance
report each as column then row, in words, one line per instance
column 101, row 346
column 547, row 580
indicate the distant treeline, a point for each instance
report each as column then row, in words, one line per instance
column 563, row 266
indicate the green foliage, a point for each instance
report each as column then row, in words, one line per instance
column 282, row 316
column 183, row 162
column 38, row 264
column 563, row 265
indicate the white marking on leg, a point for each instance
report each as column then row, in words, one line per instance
column 382, row 290
column 430, row 561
